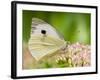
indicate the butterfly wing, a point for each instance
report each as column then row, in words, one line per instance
column 40, row 46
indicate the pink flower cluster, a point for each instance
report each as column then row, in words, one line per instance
column 80, row 54
column 75, row 55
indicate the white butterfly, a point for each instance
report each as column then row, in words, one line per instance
column 44, row 39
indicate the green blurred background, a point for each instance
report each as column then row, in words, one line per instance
column 75, row 27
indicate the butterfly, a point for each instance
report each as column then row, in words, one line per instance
column 44, row 39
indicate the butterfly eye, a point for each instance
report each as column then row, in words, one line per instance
column 43, row 31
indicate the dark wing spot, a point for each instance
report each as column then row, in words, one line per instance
column 43, row 31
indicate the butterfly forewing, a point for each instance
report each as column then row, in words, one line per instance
column 43, row 44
